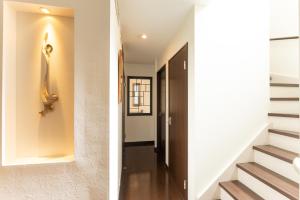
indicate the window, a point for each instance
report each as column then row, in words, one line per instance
column 139, row 96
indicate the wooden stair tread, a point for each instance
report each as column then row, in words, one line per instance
column 283, row 115
column 284, row 84
column 276, row 152
column 284, row 99
column 239, row 191
column 286, row 187
column 292, row 134
column 284, row 38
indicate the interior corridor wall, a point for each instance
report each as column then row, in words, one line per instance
column 284, row 54
column 184, row 35
column 141, row 128
column 87, row 177
column 231, row 85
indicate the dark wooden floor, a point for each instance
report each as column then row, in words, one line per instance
column 145, row 177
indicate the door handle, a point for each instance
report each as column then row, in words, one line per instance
column 170, row 121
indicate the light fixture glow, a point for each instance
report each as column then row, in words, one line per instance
column 144, row 36
column 45, row 10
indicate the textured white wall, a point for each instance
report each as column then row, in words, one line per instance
column 231, row 85
column 141, row 128
column 87, row 177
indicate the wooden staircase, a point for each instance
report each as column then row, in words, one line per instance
column 272, row 176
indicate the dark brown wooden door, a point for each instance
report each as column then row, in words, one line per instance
column 178, row 122
column 161, row 113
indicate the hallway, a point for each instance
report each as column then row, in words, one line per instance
column 145, row 177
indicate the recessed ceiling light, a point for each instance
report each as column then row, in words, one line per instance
column 144, row 36
column 45, row 10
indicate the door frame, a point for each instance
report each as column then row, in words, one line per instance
column 186, row 45
column 158, row 132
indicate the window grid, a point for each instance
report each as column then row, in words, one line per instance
column 139, row 96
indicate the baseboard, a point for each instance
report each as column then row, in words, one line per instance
column 143, row 143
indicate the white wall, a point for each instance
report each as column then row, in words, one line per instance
column 141, row 128
column 87, row 177
column 231, row 85
column 284, row 18
column 284, row 23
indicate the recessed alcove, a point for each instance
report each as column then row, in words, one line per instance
column 29, row 137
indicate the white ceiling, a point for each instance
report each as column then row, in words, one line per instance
column 159, row 19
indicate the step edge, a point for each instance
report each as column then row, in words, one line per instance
column 287, row 115
column 284, row 85
column 284, row 99
column 287, row 133
column 239, row 186
column 226, row 190
column 279, row 190
column 257, row 148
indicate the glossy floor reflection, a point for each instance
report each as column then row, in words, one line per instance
column 145, row 177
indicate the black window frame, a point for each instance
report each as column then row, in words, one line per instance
column 128, row 95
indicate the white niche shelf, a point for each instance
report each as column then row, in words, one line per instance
column 40, row 160
column 27, row 136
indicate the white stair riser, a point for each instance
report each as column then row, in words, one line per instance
column 259, row 187
column 285, row 92
column 284, row 52
column 276, row 165
column 284, row 123
column 284, row 107
column 284, row 142
column 225, row 195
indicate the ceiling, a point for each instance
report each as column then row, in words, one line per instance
column 158, row 19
